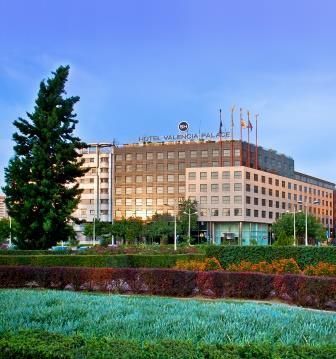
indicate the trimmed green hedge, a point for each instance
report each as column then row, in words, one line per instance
column 34, row 344
column 303, row 255
column 113, row 261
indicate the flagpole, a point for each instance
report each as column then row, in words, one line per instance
column 256, row 149
column 248, row 139
column 220, row 137
column 241, row 139
column 232, row 109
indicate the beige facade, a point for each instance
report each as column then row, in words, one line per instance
column 3, row 209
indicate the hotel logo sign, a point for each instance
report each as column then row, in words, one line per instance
column 183, row 126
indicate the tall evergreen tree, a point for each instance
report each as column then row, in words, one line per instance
column 41, row 188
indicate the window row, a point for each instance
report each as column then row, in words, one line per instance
column 140, row 190
column 214, row 175
column 214, row 187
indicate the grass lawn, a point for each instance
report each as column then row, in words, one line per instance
column 151, row 319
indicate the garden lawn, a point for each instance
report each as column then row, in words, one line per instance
column 152, row 319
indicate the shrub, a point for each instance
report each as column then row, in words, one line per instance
column 208, row 264
column 304, row 256
column 277, row 266
column 321, row 269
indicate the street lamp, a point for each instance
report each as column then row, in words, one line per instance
column 306, row 210
column 10, row 231
column 189, row 213
column 175, row 237
column 294, row 232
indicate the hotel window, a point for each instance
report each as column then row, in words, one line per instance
column 93, row 170
column 276, row 193
column 138, row 190
column 255, row 177
column 300, row 197
column 214, row 199
column 128, row 201
column 248, row 175
column 289, row 196
column 159, row 166
column 138, row 201
column 248, row 199
column 295, row 186
column 237, row 152
column 226, row 187
column 203, row 212
column 181, row 189
column 181, row 154
column 171, row 202
column 128, row 156
column 283, row 184
column 248, row 187
column 204, row 154
column 263, row 190
column 226, row 212
column 159, row 178
column 159, row 190
column 300, row 188
column 192, row 198
column 170, row 189
column 248, row 212
column 263, row 214
column 118, row 190
column 170, row 178
column 203, row 175
column 226, row 164
column 289, row 185
column 193, row 154
column 237, row 163
column 139, row 156
column 255, row 189
column 104, row 190
column 103, row 212
column 283, row 194
column 192, row 175
column 263, row 202
column 171, row 167
column 159, row 202
column 214, row 187
column 256, row 201
column 214, row 212
column 226, row 175
column 204, row 164
column 226, row 199
column 237, row 212
column 104, row 159
column 214, row 175
column 295, row 197
column 171, row 155
column 149, row 190
column 270, row 192
column 104, row 170
column 129, row 190
column 277, row 215
column 92, row 180
column 203, row 199
column 237, row 199
column 149, row 178
column 270, row 181
column 128, row 179
column 118, row 157
column 215, row 153
column 139, row 167
column 277, row 204
column 149, row 155
column 270, row 203
column 203, row 188
column 159, row 156
column 138, row 179
column 181, row 166
column 192, row 188
column 283, row 204
column 305, row 189
column 277, row 182
column 237, row 187
column 226, row 153
column 237, row 175
column 118, row 202
column 263, row 179
column 270, row 215
column 214, row 164
column 256, row 213
column 149, row 202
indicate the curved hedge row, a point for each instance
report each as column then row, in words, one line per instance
column 112, row 261
column 43, row 345
column 315, row 292
column 304, row 256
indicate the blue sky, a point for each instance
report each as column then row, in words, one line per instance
column 142, row 66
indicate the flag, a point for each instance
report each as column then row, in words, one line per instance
column 249, row 125
column 220, row 127
column 243, row 123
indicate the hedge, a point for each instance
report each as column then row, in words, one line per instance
column 314, row 292
column 304, row 256
column 35, row 344
column 118, row 260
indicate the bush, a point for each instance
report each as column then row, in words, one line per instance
column 303, row 256
column 280, row 266
column 321, row 269
column 37, row 344
column 207, row 264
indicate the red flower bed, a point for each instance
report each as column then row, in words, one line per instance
column 315, row 292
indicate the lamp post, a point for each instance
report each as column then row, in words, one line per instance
column 94, row 231
column 189, row 214
column 10, row 231
column 294, row 231
column 175, row 236
column 306, row 221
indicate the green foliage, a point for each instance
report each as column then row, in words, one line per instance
column 87, row 260
column 40, row 344
column 303, row 255
column 185, row 207
column 159, row 228
column 103, row 231
column 4, row 230
column 156, row 319
column 284, row 240
column 129, row 230
column 284, row 227
column 41, row 179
